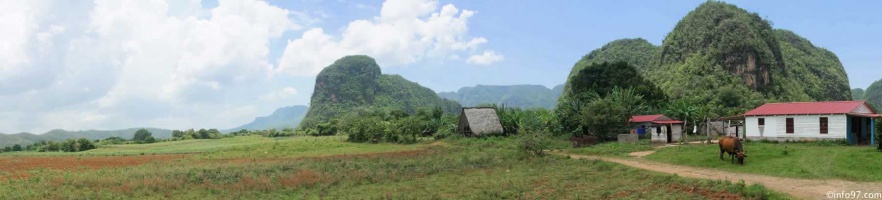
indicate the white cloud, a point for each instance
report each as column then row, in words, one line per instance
column 486, row 58
column 108, row 64
column 279, row 94
column 117, row 64
column 405, row 32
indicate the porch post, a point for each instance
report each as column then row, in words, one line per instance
column 849, row 132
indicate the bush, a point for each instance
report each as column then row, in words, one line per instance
column 369, row 129
column 879, row 134
column 533, row 143
column 149, row 140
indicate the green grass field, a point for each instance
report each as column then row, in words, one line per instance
column 856, row 163
column 614, row 148
column 328, row 167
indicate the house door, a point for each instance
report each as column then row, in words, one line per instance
column 856, row 129
column 669, row 134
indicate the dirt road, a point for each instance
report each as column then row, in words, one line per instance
column 800, row 188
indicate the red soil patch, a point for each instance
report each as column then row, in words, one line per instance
column 394, row 155
column 692, row 190
column 705, row 192
column 17, row 166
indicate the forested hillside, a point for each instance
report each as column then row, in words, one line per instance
column 356, row 81
column 61, row 135
column 873, row 95
column 729, row 60
column 284, row 117
column 857, row 93
column 520, row 96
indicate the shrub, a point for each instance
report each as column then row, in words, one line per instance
column 533, row 143
column 149, row 139
column 879, row 134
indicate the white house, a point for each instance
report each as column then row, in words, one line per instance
column 662, row 129
column 850, row 120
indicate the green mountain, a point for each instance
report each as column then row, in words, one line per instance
column 284, row 117
column 61, row 135
column 873, row 95
column 857, row 94
column 637, row 52
column 356, row 81
column 523, row 96
column 731, row 60
column 815, row 71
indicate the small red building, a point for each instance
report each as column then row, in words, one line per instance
column 661, row 128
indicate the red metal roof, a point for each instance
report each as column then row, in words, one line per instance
column 667, row 122
column 644, row 118
column 806, row 108
column 655, row 119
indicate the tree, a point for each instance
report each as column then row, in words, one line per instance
column 141, row 135
column 684, row 110
column 149, row 139
column 85, row 144
column 177, row 134
column 602, row 78
column 16, row 147
column 213, row 134
column 70, row 145
column 53, row 146
column 604, row 119
column 7, row 149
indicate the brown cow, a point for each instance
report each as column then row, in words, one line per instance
column 732, row 145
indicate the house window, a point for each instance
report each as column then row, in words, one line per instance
column 790, row 125
column 761, row 121
column 824, row 125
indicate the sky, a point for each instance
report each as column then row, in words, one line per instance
column 112, row 64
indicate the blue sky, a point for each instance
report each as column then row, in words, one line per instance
column 111, row 64
column 541, row 41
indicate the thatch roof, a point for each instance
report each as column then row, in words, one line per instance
column 481, row 121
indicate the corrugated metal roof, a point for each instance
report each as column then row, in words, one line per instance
column 667, row 122
column 644, row 118
column 806, row 108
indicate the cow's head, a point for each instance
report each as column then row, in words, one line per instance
column 741, row 155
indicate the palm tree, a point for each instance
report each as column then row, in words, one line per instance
column 683, row 110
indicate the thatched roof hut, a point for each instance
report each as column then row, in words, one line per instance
column 477, row 121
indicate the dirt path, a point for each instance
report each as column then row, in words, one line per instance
column 800, row 188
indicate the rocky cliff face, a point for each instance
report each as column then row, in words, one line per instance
column 742, row 43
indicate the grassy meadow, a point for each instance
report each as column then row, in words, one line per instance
column 801, row 160
column 614, row 148
column 256, row 167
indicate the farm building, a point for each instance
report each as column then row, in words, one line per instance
column 661, row 128
column 477, row 121
column 850, row 120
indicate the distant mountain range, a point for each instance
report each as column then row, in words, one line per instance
column 61, row 135
column 284, row 117
column 523, row 96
